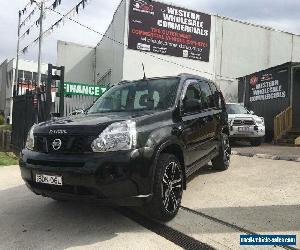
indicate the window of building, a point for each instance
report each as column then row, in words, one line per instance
column 35, row 77
column 28, row 76
column 20, row 75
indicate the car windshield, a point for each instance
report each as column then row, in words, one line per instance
column 152, row 94
column 236, row 109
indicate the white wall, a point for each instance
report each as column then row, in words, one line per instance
column 237, row 49
column 79, row 61
column 109, row 54
column 296, row 48
column 244, row 48
column 27, row 65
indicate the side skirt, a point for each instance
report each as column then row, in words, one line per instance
column 201, row 162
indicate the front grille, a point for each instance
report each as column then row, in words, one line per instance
column 69, row 143
column 240, row 122
column 56, row 164
column 67, row 189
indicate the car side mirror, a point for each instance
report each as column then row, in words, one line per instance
column 191, row 105
column 251, row 112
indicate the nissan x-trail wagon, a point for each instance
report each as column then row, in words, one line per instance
column 136, row 145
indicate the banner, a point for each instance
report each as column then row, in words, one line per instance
column 161, row 28
column 72, row 88
column 268, row 85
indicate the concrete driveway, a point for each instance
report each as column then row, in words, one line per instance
column 254, row 196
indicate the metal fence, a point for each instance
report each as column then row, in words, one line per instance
column 24, row 116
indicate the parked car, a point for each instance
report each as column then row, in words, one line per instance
column 136, row 145
column 245, row 125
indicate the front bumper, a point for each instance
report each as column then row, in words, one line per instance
column 123, row 178
column 247, row 131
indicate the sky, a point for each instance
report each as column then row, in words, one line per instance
column 280, row 14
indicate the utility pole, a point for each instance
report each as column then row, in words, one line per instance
column 40, row 43
column 15, row 83
column 18, row 52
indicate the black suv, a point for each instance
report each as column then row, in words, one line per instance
column 136, row 145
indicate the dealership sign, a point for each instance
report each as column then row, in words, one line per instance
column 72, row 88
column 161, row 28
column 266, row 86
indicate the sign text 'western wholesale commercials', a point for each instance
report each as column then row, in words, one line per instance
column 160, row 28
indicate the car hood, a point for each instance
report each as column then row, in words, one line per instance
column 246, row 116
column 84, row 123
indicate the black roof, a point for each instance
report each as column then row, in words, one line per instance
column 181, row 76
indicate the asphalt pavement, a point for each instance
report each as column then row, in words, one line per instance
column 254, row 196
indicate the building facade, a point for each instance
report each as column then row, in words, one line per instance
column 169, row 40
column 27, row 75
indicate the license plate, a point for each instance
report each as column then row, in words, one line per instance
column 244, row 129
column 49, row 179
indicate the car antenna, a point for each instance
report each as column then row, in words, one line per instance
column 145, row 78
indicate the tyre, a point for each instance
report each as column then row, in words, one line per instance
column 221, row 162
column 167, row 189
column 256, row 142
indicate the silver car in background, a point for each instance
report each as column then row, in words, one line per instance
column 245, row 125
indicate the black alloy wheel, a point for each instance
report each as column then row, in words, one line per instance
column 172, row 186
column 221, row 162
column 167, row 188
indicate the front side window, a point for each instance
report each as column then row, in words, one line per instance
column 152, row 94
column 192, row 99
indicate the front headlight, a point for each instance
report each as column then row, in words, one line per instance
column 117, row 136
column 30, row 139
column 260, row 121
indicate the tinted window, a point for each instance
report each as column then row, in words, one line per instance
column 206, row 95
column 152, row 94
column 192, row 93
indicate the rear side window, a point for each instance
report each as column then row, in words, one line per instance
column 207, row 99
